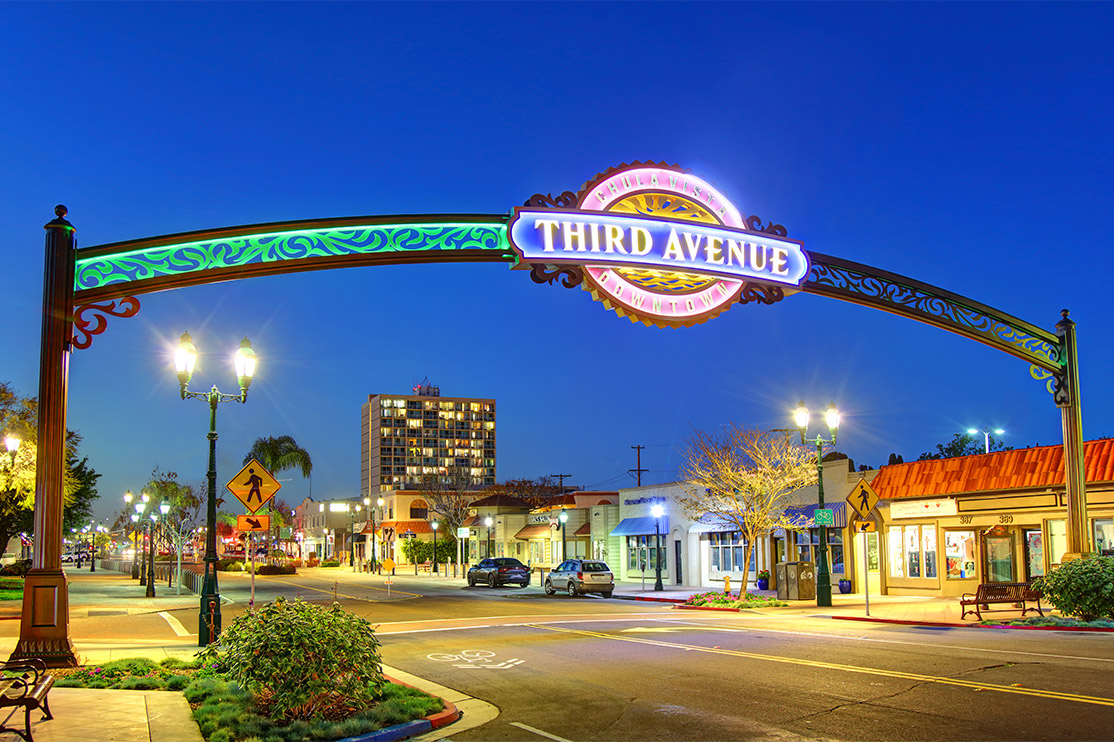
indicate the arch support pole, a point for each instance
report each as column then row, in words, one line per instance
column 1075, row 479
column 44, row 630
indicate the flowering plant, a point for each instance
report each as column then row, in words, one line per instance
column 763, row 574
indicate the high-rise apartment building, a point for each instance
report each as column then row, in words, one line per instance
column 406, row 438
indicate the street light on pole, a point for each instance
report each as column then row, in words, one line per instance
column 151, row 550
column 11, row 444
column 564, row 518
column 352, row 513
column 140, row 510
column 831, row 417
column 657, row 511
column 244, row 361
column 986, row 435
column 374, row 553
column 435, row 524
column 164, row 508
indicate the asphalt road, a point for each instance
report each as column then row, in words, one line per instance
column 583, row 669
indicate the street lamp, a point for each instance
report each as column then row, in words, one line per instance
column 488, row 522
column 128, row 497
column 831, row 417
column 986, row 435
column 185, row 358
column 140, row 510
column 657, row 511
column 435, row 524
column 164, row 508
column 11, row 443
column 151, row 552
column 135, row 563
column 564, row 518
column 352, row 512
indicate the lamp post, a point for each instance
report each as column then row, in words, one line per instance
column 11, row 444
column 185, row 358
column 487, row 522
column 823, row 576
column 135, row 546
column 657, row 511
column 140, row 510
column 151, row 558
column 352, row 513
column 986, row 435
column 164, row 508
column 128, row 497
column 435, row 524
column 374, row 553
column 564, row 518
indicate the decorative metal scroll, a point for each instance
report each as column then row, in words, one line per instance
column 571, row 276
column 761, row 293
column 566, row 200
column 1055, row 383
column 860, row 284
column 92, row 319
column 160, row 258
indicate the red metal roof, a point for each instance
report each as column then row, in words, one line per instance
column 537, row 530
column 1022, row 469
column 402, row 526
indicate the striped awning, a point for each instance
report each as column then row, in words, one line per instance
column 538, row 530
column 709, row 523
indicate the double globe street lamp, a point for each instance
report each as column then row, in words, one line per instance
column 831, row 417
column 657, row 511
column 985, row 435
column 244, row 361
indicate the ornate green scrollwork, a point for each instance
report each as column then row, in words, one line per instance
column 138, row 262
column 905, row 296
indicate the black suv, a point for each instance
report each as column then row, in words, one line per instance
column 499, row 571
column 578, row 576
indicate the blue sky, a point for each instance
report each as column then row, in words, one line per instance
column 965, row 145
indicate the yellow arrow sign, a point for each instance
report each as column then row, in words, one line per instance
column 253, row 486
column 253, row 522
column 864, row 526
column 863, row 498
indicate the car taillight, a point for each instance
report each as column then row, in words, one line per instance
column 502, row 569
column 580, row 575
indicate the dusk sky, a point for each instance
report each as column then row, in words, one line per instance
column 965, row 145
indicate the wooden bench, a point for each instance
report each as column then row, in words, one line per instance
column 24, row 684
column 1016, row 594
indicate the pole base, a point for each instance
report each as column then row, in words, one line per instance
column 824, row 596
column 44, row 629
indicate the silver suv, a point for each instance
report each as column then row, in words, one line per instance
column 579, row 576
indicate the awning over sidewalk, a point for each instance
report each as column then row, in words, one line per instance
column 714, row 524
column 538, row 530
column 805, row 515
column 643, row 526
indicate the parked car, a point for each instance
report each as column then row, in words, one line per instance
column 579, row 576
column 497, row 571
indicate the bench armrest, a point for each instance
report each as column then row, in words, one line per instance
column 967, row 595
column 32, row 665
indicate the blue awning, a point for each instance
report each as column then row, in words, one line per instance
column 805, row 515
column 709, row 523
column 643, row 526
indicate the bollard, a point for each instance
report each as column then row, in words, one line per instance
column 212, row 621
column 727, row 584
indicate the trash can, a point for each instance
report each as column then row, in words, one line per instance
column 796, row 580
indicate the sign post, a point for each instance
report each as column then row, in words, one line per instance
column 863, row 500
column 866, row 574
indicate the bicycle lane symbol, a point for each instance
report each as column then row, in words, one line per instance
column 474, row 659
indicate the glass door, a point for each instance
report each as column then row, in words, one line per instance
column 999, row 559
column 1034, row 553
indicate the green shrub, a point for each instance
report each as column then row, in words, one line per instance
column 303, row 661
column 230, row 565
column 177, row 682
column 16, row 569
column 142, row 683
column 1083, row 588
column 331, row 563
column 275, row 569
column 202, row 689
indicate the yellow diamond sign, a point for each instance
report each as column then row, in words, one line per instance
column 253, row 486
column 863, row 498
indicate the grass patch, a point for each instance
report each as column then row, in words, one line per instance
column 226, row 713
column 1057, row 621
column 11, row 588
column 717, row 599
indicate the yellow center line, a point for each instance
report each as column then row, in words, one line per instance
column 344, row 595
column 1057, row 695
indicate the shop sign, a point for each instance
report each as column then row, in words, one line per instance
column 646, row 501
column 656, row 244
column 943, row 507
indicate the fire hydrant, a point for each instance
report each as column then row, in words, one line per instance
column 727, row 584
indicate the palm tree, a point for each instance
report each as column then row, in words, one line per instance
column 280, row 453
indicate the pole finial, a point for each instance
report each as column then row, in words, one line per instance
column 60, row 210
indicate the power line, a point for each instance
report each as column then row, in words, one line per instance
column 638, row 471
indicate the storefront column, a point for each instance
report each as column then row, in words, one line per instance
column 1067, row 399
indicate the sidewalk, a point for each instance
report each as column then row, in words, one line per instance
column 107, row 593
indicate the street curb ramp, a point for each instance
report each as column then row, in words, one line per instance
column 442, row 718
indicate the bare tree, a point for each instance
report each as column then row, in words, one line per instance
column 449, row 494
column 536, row 492
column 742, row 478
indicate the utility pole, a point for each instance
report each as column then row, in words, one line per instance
column 561, row 481
column 638, row 472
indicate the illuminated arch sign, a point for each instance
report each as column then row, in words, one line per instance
column 657, row 245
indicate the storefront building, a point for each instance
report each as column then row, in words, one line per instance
column 950, row 524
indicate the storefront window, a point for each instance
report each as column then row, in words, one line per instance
column 1057, row 541
column 1104, row 536
column 640, row 554
column 959, row 554
column 912, row 551
column 727, row 552
column 808, row 543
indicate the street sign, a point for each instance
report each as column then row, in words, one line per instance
column 254, row 486
column 863, row 498
column 253, row 523
column 407, row 534
column 388, row 564
column 864, row 526
column 825, row 517
column 462, row 532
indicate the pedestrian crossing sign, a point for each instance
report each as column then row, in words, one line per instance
column 863, row 498
column 254, row 486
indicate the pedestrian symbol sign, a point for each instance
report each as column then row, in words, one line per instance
column 863, row 498
column 254, row 486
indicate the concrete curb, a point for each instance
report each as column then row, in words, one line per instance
column 872, row 619
column 706, row 608
column 442, row 718
column 649, row 600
